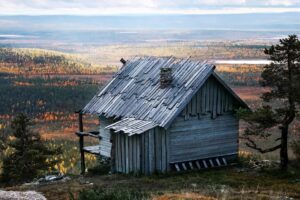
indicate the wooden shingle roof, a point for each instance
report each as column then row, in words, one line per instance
column 135, row 93
column 132, row 126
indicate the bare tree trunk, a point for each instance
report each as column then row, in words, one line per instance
column 284, row 159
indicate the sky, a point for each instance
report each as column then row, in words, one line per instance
column 132, row 7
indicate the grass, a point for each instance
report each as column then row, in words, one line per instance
column 221, row 183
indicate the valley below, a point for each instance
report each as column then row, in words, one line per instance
column 49, row 79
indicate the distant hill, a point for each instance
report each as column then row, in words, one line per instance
column 253, row 21
column 38, row 61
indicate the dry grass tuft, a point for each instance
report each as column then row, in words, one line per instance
column 184, row 196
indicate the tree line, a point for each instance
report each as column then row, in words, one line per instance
column 36, row 61
column 40, row 95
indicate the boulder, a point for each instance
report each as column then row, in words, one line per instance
column 17, row 195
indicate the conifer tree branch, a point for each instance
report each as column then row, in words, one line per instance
column 251, row 144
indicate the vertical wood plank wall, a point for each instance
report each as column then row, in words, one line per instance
column 145, row 153
column 127, row 153
column 154, row 154
column 105, row 143
column 212, row 99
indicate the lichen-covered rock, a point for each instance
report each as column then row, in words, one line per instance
column 17, row 195
column 263, row 164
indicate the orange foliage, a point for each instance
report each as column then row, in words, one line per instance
column 18, row 83
column 55, row 116
column 7, row 117
column 2, row 126
column 239, row 68
column 63, row 83
column 49, row 116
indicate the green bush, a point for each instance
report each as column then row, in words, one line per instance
column 112, row 194
column 102, row 168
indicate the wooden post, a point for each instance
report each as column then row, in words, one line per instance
column 81, row 142
column 112, row 152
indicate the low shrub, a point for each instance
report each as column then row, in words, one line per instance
column 244, row 157
column 102, row 168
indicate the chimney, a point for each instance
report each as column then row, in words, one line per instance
column 123, row 61
column 165, row 77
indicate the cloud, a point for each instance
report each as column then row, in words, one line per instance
column 281, row 2
column 104, row 7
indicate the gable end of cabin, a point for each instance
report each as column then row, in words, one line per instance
column 207, row 126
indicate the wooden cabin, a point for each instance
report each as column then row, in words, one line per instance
column 159, row 114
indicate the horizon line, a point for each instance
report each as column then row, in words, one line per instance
column 240, row 11
column 138, row 14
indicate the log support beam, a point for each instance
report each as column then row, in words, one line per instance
column 81, row 141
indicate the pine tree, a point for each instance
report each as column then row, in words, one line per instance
column 280, row 104
column 3, row 139
column 29, row 155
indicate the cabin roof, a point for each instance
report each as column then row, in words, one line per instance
column 132, row 126
column 135, row 92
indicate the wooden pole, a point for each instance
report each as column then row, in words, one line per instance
column 112, row 152
column 81, row 142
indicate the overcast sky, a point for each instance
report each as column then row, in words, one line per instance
column 117, row 7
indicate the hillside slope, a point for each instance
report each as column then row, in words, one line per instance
column 38, row 61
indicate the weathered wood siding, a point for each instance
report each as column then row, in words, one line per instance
column 203, row 138
column 127, row 153
column 105, row 140
column 212, row 98
column 143, row 153
column 206, row 127
column 154, row 151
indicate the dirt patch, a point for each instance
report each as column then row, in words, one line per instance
column 185, row 196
